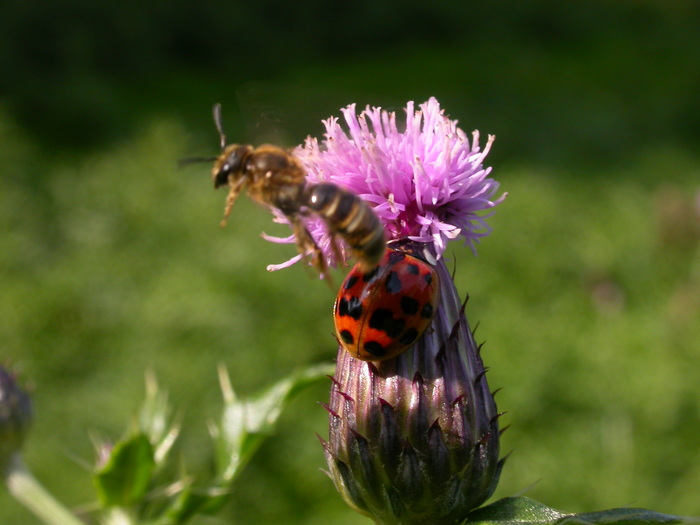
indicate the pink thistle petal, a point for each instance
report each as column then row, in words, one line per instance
column 278, row 240
column 286, row 264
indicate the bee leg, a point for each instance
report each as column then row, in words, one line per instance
column 335, row 250
column 233, row 191
column 307, row 247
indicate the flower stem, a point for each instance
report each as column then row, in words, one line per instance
column 28, row 491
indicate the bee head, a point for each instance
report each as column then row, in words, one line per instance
column 230, row 163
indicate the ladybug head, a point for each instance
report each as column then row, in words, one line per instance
column 416, row 249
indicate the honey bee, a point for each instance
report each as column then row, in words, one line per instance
column 275, row 178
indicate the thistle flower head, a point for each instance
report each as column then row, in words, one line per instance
column 424, row 177
column 415, row 438
column 15, row 416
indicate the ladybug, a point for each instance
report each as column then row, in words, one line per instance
column 379, row 314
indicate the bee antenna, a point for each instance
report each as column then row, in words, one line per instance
column 217, row 122
column 194, row 160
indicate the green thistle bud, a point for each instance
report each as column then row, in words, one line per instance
column 415, row 439
column 15, row 416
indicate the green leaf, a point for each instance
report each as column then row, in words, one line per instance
column 126, row 475
column 184, row 507
column 527, row 511
column 244, row 425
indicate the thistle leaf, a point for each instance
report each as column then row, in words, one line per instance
column 246, row 423
column 528, row 511
column 125, row 477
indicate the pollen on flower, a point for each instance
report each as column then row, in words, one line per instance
column 424, row 178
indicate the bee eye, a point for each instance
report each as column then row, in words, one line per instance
column 221, row 177
column 234, row 160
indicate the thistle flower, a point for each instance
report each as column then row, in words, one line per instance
column 427, row 183
column 15, row 416
column 414, row 439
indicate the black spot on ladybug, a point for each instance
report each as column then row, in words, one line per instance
column 346, row 337
column 427, row 311
column 382, row 319
column 409, row 336
column 352, row 308
column 395, row 257
column 393, row 283
column 351, row 281
column 409, row 305
column 371, row 275
column 413, row 269
column 374, row 348
column 429, row 278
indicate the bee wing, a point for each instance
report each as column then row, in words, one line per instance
column 264, row 121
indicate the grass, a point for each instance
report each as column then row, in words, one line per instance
column 586, row 295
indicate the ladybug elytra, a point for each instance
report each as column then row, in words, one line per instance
column 381, row 313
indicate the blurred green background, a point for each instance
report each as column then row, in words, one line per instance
column 587, row 293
